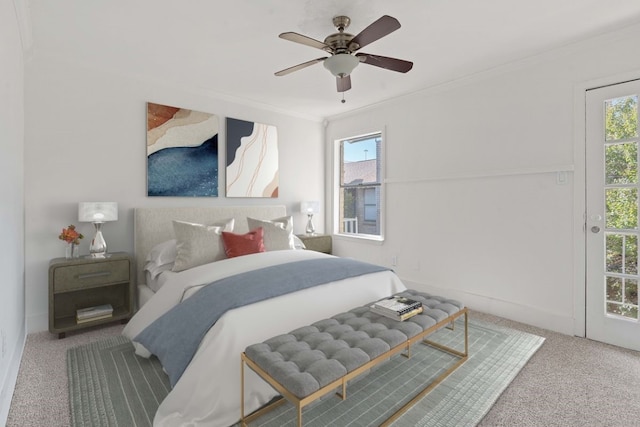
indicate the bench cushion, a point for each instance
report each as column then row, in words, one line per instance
column 309, row 358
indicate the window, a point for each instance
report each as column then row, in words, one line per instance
column 359, row 187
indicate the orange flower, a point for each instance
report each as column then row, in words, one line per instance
column 70, row 235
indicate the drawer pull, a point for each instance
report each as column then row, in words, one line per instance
column 92, row 275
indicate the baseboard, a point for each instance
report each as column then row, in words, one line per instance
column 9, row 384
column 509, row 310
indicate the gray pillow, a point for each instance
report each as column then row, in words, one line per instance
column 199, row 244
column 278, row 233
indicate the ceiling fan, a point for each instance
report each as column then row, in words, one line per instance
column 342, row 47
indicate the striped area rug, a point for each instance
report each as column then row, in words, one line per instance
column 109, row 385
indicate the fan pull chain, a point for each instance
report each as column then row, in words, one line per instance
column 343, row 100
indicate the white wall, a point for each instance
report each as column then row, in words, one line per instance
column 473, row 209
column 503, row 244
column 12, row 325
column 86, row 139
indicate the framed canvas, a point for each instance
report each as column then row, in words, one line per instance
column 182, row 152
column 252, row 159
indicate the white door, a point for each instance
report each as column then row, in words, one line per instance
column 612, row 214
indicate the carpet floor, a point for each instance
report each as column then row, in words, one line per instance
column 569, row 382
column 109, row 384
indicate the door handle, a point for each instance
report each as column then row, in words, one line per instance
column 595, row 229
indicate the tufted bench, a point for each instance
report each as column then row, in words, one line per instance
column 314, row 360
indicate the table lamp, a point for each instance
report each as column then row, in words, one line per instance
column 98, row 213
column 310, row 208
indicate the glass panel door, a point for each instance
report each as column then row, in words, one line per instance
column 612, row 215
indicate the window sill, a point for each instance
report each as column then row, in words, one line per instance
column 376, row 240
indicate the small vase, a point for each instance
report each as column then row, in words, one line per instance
column 71, row 251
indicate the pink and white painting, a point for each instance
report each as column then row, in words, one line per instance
column 252, row 159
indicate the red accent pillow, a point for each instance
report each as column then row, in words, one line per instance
column 243, row 244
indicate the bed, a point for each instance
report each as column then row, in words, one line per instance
column 207, row 393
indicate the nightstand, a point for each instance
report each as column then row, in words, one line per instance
column 317, row 242
column 86, row 282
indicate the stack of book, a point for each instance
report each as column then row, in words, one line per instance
column 397, row 308
column 90, row 314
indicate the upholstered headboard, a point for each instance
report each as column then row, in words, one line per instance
column 154, row 225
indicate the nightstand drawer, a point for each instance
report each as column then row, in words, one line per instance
column 71, row 277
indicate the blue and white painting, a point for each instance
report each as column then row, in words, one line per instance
column 252, row 159
column 182, row 152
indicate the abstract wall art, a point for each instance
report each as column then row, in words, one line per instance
column 182, row 152
column 252, row 159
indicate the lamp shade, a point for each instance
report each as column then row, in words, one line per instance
column 312, row 207
column 97, row 211
column 342, row 64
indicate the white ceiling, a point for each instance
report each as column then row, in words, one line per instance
column 231, row 49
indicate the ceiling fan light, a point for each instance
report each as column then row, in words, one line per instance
column 342, row 64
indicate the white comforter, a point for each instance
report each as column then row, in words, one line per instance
column 208, row 393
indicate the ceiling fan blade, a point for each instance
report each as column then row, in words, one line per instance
column 344, row 83
column 308, row 41
column 377, row 30
column 387, row 63
column 298, row 67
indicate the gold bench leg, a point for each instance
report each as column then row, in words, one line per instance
column 343, row 395
column 452, row 325
column 449, row 349
column 407, row 353
column 439, row 379
column 242, row 423
column 299, row 415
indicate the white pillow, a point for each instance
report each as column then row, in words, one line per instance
column 199, row 244
column 297, row 243
column 161, row 258
column 153, row 270
column 163, row 253
column 153, row 279
column 278, row 233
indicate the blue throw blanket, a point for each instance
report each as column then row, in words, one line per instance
column 175, row 336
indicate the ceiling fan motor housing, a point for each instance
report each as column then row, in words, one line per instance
column 340, row 42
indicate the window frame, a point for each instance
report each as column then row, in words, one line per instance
column 337, row 185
